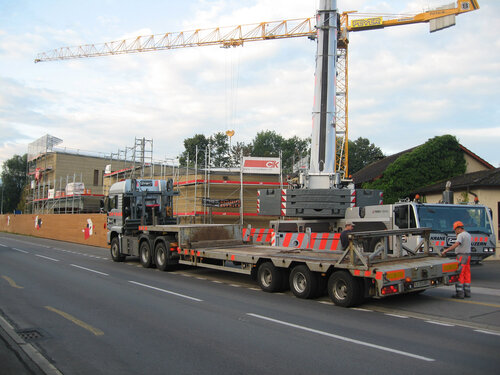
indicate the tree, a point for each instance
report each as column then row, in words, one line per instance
column 190, row 150
column 240, row 148
column 362, row 153
column 436, row 160
column 219, row 151
column 267, row 143
column 13, row 181
column 293, row 149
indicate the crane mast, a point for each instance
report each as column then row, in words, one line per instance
column 322, row 163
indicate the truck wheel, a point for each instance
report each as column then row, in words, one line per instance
column 115, row 250
column 303, row 282
column 161, row 257
column 376, row 244
column 270, row 278
column 343, row 289
column 145, row 255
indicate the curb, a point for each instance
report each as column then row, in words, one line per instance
column 26, row 352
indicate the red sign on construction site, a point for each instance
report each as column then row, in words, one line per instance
column 261, row 165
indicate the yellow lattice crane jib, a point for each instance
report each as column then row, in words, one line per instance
column 438, row 19
column 235, row 36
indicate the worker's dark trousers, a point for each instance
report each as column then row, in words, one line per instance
column 462, row 288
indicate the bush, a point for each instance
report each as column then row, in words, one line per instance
column 436, row 160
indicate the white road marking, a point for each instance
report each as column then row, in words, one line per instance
column 343, row 338
column 88, row 269
column 440, row 324
column 52, row 259
column 166, row 291
column 326, row 302
column 360, row 309
column 21, row 251
column 3, row 245
column 397, row 316
column 235, row 285
column 487, row 332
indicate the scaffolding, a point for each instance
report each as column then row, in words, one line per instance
column 70, row 198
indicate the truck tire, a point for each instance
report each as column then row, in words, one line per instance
column 161, row 256
column 344, row 290
column 145, row 255
column 303, row 282
column 270, row 278
column 115, row 250
column 376, row 244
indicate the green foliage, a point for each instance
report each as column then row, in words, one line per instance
column 13, row 181
column 438, row 159
column 266, row 143
column 190, row 150
column 362, row 153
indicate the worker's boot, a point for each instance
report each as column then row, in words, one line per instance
column 467, row 293
column 459, row 291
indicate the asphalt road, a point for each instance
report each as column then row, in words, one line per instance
column 93, row 316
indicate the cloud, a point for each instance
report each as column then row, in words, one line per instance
column 405, row 85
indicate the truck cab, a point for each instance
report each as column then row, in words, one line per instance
column 439, row 217
column 139, row 202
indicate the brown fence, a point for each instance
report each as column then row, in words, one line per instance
column 87, row 229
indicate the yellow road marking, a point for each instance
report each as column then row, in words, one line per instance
column 471, row 302
column 12, row 283
column 78, row 322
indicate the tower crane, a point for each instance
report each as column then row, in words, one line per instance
column 329, row 148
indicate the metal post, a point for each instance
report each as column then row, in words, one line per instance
column 241, row 187
column 205, row 186
column 195, row 177
column 185, row 185
column 1, row 209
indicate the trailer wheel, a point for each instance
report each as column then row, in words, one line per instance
column 115, row 250
column 145, row 255
column 303, row 282
column 270, row 278
column 344, row 290
column 161, row 257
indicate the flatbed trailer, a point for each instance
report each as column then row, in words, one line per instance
column 349, row 276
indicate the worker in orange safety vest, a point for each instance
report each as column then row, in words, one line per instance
column 462, row 250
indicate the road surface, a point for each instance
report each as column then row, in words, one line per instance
column 89, row 315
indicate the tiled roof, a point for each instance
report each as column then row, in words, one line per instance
column 376, row 169
column 488, row 178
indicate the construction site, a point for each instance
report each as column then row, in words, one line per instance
column 64, row 181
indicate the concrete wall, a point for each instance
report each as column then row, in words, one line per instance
column 489, row 197
column 87, row 229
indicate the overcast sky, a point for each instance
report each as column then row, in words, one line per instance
column 405, row 84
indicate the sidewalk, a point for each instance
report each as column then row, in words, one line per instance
column 17, row 357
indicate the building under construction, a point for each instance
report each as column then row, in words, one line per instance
column 74, row 181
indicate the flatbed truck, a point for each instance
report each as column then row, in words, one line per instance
column 140, row 223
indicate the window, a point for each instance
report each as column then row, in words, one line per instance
column 96, row 177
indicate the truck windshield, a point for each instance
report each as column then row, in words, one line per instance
column 441, row 218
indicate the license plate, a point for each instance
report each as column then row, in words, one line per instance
column 421, row 284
